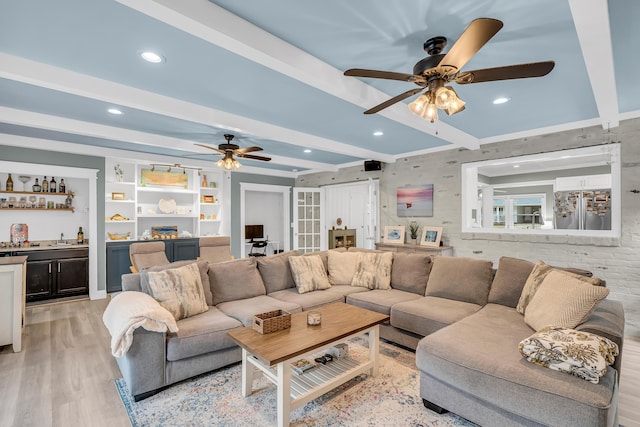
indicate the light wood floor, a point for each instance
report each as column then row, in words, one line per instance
column 64, row 375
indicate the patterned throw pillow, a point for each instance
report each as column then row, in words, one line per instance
column 309, row 273
column 373, row 270
column 563, row 300
column 535, row 279
column 582, row 354
column 179, row 290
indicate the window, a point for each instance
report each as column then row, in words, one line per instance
column 523, row 195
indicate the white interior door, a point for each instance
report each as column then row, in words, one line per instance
column 309, row 232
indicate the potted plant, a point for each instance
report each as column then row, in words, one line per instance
column 414, row 229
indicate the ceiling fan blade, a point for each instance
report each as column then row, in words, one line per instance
column 387, row 75
column 201, row 154
column 520, row 71
column 477, row 34
column 251, row 156
column 211, row 148
column 393, row 100
column 247, row 150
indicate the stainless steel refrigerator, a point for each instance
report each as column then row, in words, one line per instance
column 582, row 210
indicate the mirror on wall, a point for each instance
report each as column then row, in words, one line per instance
column 568, row 192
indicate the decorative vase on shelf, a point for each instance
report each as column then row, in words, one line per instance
column 204, row 181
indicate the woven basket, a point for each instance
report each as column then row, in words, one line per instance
column 271, row 321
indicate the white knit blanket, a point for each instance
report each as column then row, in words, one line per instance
column 130, row 310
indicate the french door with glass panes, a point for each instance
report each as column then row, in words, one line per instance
column 309, row 234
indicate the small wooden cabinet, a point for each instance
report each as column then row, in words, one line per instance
column 342, row 238
column 56, row 273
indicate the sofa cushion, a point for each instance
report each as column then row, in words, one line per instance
column 426, row 315
column 345, row 290
column 510, row 278
column 203, row 267
column 479, row 354
column 179, row 290
column 577, row 353
column 244, row 310
column 324, row 255
column 563, row 300
column 410, row 272
column 537, row 276
column 308, row 300
column 275, row 271
column 341, row 267
column 380, row 300
column 309, row 273
column 373, row 270
column 235, row 280
column 201, row 334
column 460, row 279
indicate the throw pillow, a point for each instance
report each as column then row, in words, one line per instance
column 373, row 270
column 342, row 267
column 535, row 279
column 582, row 354
column 203, row 267
column 275, row 271
column 235, row 280
column 309, row 273
column 179, row 290
column 511, row 276
column 563, row 300
column 410, row 272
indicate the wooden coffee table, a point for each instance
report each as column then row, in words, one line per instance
column 273, row 354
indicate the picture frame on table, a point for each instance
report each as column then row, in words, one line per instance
column 393, row 234
column 117, row 196
column 430, row 236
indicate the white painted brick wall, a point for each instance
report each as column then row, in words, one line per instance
column 618, row 265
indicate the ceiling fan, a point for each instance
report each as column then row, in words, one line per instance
column 437, row 69
column 229, row 150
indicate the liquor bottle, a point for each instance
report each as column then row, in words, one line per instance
column 62, row 188
column 80, row 236
column 36, row 187
column 9, row 183
column 52, row 185
column 45, row 185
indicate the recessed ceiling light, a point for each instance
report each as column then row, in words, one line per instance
column 516, row 166
column 114, row 111
column 306, row 150
column 152, row 57
column 294, row 170
column 378, row 133
column 500, row 100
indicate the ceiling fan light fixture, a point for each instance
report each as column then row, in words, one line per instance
column 228, row 163
column 455, row 103
column 418, row 105
column 430, row 112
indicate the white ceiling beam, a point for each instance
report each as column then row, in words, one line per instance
column 216, row 25
column 44, row 75
column 591, row 18
column 78, row 127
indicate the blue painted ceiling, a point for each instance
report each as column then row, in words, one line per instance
column 271, row 73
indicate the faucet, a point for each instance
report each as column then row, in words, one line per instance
column 61, row 237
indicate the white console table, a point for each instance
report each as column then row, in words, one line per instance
column 13, row 280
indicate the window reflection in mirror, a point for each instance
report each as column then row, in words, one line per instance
column 569, row 192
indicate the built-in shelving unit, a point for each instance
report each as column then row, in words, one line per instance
column 196, row 209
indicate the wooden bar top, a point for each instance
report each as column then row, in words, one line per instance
column 339, row 320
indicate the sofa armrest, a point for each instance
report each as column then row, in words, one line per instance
column 143, row 366
column 607, row 320
column 131, row 282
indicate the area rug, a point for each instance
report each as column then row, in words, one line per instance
column 392, row 398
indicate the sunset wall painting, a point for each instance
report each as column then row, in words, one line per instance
column 416, row 200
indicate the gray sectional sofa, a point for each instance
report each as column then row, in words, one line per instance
column 457, row 313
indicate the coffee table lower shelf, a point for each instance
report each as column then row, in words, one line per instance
column 295, row 390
